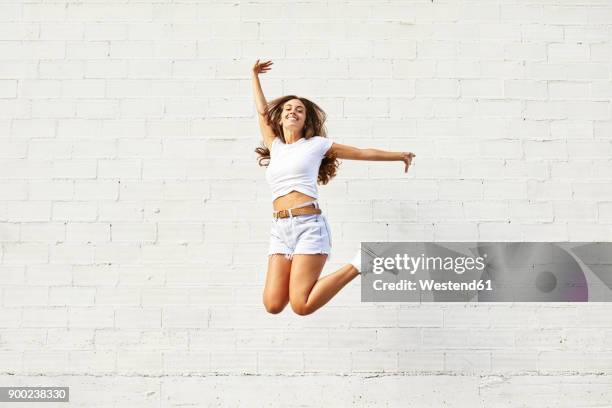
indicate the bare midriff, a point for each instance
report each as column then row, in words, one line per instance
column 290, row 200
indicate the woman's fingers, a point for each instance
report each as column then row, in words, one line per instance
column 408, row 160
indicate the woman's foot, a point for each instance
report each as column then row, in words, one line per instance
column 356, row 261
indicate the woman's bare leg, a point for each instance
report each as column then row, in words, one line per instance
column 276, row 289
column 307, row 292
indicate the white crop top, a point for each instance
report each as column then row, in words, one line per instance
column 295, row 166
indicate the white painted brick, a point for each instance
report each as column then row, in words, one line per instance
column 510, row 149
column 486, row 210
column 390, row 339
column 145, row 318
column 374, row 361
column 601, row 170
column 105, row 69
column 522, row 169
column 594, row 191
column 180, row 362
column 10, row 317
column 133, row 232
column 111, row 339
column 45, row 362
column 69, row 296
column 88, row 362
column 182, row 317
column 549, row 190
column 215, row 295
column 530, row 212
column 16, row 189
column 475, row 168
column 445, row 338
column 486, row 338
column 90, row 317
column 69, row 339
column 47, row 149
column 236, row 362
column 212, row 339
column 42, row 232
column 45, row 317
column 132, row 362
column 577, row 210
column 98, row 109
column 95, row 275
column 581, row 149
column 165, row 296
column 24, row 338
column 469, row 363
column 53, row 108
column 466, row 316
column 513, row 361
column 581, row 231
column 429, row 211
column 280, row 362
column 74, row 211
column 88, row 232
column 382, row 210
column 536, row 31
column 545, row 232
column 562, row 52
column 504, row 190
column 183, row 233
column 25, row 254
column 455, row 231
column 320, row 361
column 71, row 254
column 422, row 316
column 165, row 340
column 117, row 296
column 456, row 149
column 12, row 361
column 582, row 338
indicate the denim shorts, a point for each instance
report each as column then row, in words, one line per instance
column 301, row 234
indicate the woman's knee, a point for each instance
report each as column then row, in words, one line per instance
column 274, row 306
column 300, row 308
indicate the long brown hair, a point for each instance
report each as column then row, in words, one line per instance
column 314, row 125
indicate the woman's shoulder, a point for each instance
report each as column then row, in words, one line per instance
column 321, row 138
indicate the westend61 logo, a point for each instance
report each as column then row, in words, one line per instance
column 486, row 271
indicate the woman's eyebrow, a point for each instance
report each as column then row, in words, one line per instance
column 291, row 105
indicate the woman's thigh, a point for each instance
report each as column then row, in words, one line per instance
column 276, row 288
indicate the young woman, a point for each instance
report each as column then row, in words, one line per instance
column 300, row 155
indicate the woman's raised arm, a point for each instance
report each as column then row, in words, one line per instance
column 260, row 99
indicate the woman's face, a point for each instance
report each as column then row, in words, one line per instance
column 294, row 114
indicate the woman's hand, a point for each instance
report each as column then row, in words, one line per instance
column 261, row 67
column 407, row 158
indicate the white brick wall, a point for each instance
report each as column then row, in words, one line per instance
column 134, row 217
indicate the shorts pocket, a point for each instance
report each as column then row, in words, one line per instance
column 305, row 219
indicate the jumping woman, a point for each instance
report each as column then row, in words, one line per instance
column 300, row 155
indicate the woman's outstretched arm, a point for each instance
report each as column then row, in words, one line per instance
column 355, row 153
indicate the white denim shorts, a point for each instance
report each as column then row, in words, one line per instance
column 301, row 234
